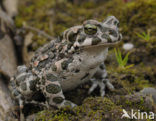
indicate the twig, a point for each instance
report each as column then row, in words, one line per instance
column 38, row 31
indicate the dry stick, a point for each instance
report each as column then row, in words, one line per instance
column 38, row 31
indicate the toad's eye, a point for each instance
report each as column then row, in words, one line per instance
column 90, row 29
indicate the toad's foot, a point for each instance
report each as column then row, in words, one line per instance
column 100, row 79
column 102, row 84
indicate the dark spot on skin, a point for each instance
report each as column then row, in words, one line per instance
column 109, row 40
column 86, row 75
column 12, row 84
column 69, row 45
column 72, row 36
column 113, row 33
column 81, row 38
column 64, row 77
column 61, row 55
column 42, row 64
column 119, row 37
column 51, row 55
column 51, row 77
column 102, row 66
column 77, row 70
column 105, row 36
column 79, row 30
column 53, row 88
column 43, row 81
column 33, row 85
column 60, row 48
column 16, row 93
column 23, row 86
column 65, row 63
column 58, row 100
column 76, row 48
column 96, row 40
column 53, row 68
column 80, row 60
column 115, row 23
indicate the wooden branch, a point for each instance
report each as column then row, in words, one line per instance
column 38, row 31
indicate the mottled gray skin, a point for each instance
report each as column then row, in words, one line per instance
column 74, row 58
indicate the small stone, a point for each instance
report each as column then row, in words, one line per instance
column 150, row 91
column 128, row 46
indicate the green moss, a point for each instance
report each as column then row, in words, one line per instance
column 96, row 109
column 93, row 109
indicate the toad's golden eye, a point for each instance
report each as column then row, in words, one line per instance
column 90, row 29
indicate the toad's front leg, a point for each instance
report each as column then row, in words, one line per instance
column 100, row 79
column 52, row 90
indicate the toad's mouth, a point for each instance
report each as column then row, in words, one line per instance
column 107, row 44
